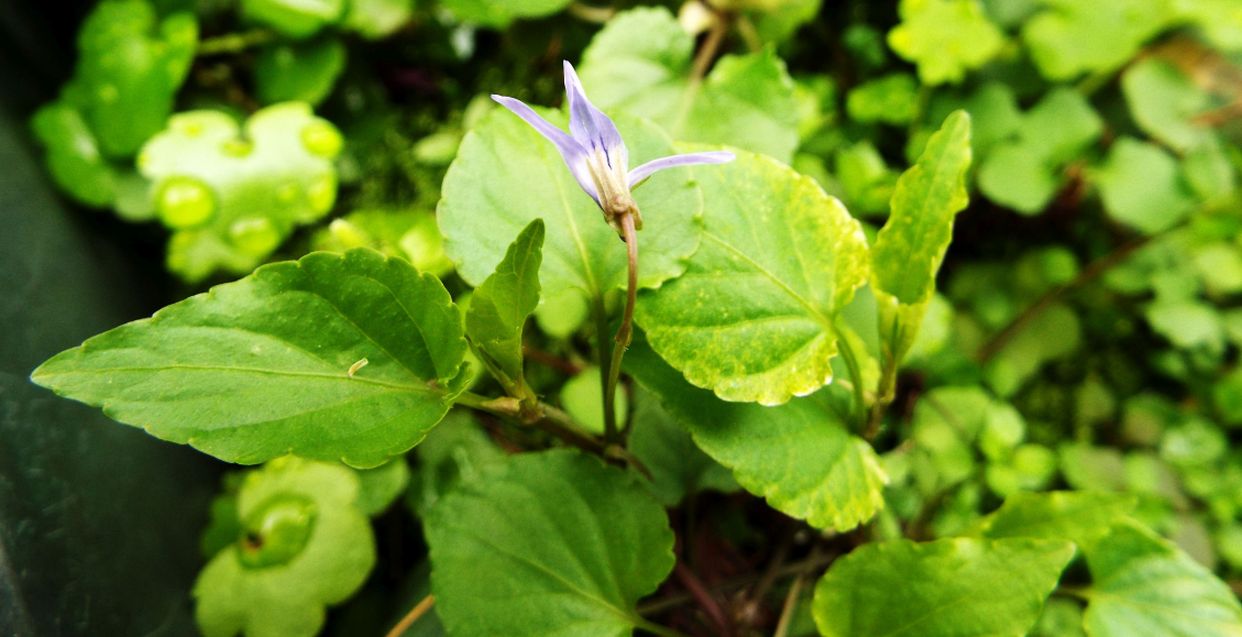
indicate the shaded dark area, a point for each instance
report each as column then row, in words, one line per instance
column 98, row 523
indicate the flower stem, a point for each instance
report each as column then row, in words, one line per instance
column 234, row 42
column 625, row 334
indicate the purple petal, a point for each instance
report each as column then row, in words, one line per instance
column 590, row 126
column 689, row 159
column 571, row 151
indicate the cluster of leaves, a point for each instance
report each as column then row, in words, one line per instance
column 1045, row 445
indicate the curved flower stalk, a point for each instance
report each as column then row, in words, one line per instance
column 597, row 158
column 596, row 155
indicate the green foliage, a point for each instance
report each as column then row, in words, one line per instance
column 331, row 357
column 303, row 544
column 639, row 62
column 233, row 195
column 678, row 467
column 945, row 38
column 569, row 544
column 892, row 99
column 293, row 18
column 752, row 317
column 798, row 456
column 1142, row 187
column 1068, row 38
column 499, row 13
column 994, row 587
column 299, row 72
column 500, row 306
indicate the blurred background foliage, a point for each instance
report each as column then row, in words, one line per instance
column 1088, row 329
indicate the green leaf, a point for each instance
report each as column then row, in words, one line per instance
column 568, row 544
column 1071, row 37
column 583, row 398
column 233, row 195
column 294, row 18
column 1187, row 323
column 945, row 38
column 1024, row 172
column 305, row 545
column 945, row 588
column 912, row 243
column 1164, row 102
column 303, row 72
column 752, row 317
column 409, row 234
column 1145, row 586
column 73, row 155
column 456, row 452
column 130, row 65
column 799, row 457
column 640, row 63
column 1052, row 334
column 892, row 99
column 506, row 175
column 500, row 13
column 1142, row 187
column 1080, row 517
column 678, row 467
column 375, row 19
column 866, row 181
column 331, row 357
column 380, row 486
column 1220, row 21
column 500, row 306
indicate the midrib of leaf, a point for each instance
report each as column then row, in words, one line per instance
column 819, row 317
column 259, row 370
column 571, row 586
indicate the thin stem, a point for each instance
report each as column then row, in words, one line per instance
column 656, row 629
column 851, row 363
column 787, row 609
column 625, row 334
column 809, row 565
column 994, row 345
column 604, row 344
column 703, row 597
column 415, row 613
column 589, row 13
column 711, row 45
column 545, row 416
column 234, row 42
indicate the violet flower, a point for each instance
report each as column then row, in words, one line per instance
column 596, row 155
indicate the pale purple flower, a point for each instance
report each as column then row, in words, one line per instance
column 596, row 155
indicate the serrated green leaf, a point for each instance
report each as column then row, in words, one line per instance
column 1164, row 102
column 568, row 544
column 1145, row 586
column 1071, row 37
column 130, row 64
column 912, row 243
column 640, row 63
column 945, row 38
column 678, row 467
column 799, row 457
column 500, row 306
column 375, row 19
column 506, row 176
column 331, row 357
column 233, row 195
column 305, row 546
column 294, row 18
column 500, row 13
column 302, row 72
column 752, row 317
column 1142, row 187
column 945, row 588
column 1080, row 517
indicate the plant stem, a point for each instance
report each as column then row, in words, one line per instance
column 234, row 42
column 787, row 609
column 703, row 597
column 809, row 565
column 656, row 629
column 851, row 363
column 415, row 613
column 711, row 44
column 994, row 345
column 545, row 416
column 625, row 334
